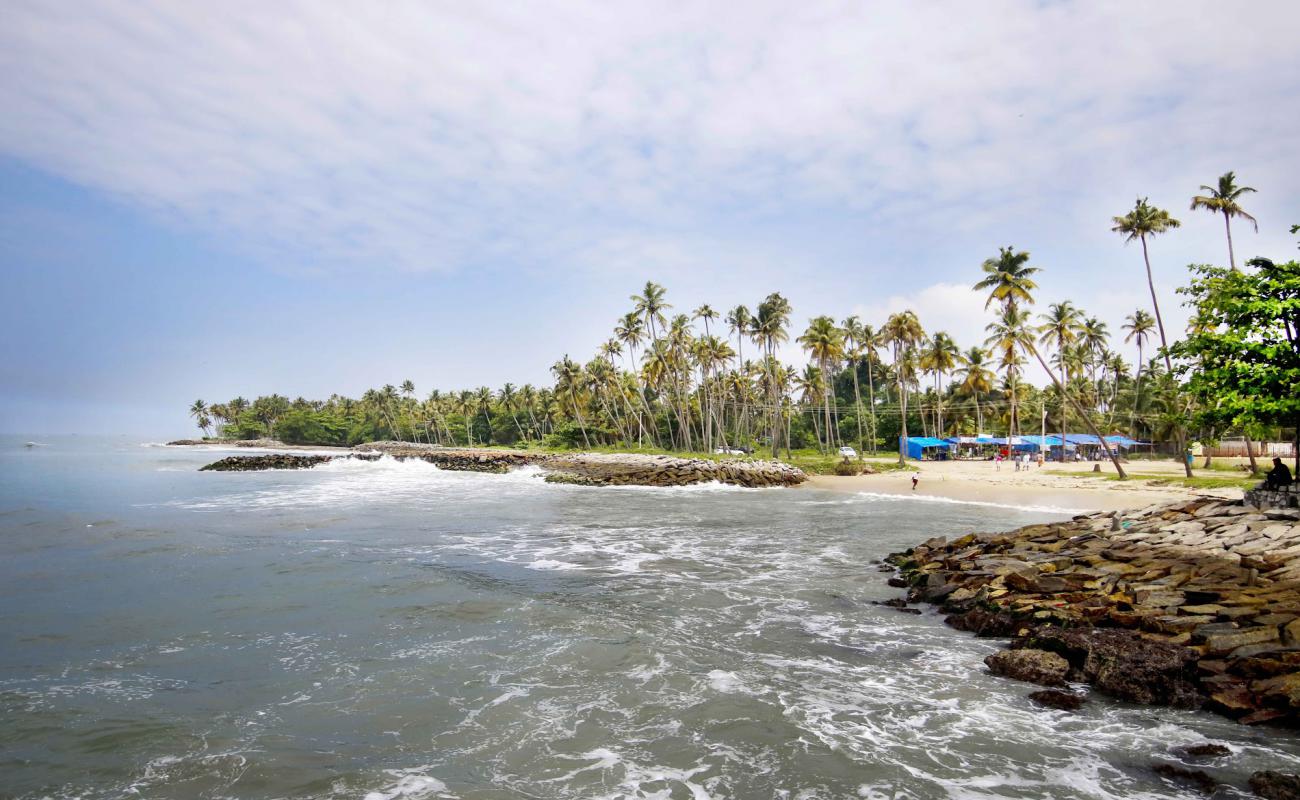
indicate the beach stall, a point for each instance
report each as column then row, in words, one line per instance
column 923, row 447
column 973, row 446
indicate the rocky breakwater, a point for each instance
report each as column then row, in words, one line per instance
column 1194, row 604
column 271, row 461
column 631, row 469
column 449, row 458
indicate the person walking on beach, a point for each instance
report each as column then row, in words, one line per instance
column 916, row 478
column 997, row 462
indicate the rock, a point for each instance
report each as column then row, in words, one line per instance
column 1124, row 664
column 1195, row 778
column 271, row 461
column 1057, row 698
column 1205, row 750
column 896, row 603
column 1276, row 785
column 1033, row 666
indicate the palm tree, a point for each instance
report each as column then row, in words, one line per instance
column 1010, row 288
column 903, row 332
column 1008, row 335
column 939, row 356
column 824, row 342
column 739, row 323
column 1139, row 325
column 706, row 313
column 1007, row 279
column 976, row 379
column 570, row 382
column 1222, row 199
column 1060, row 327
column 854, row 332
column 199, row 410
column 769, row 330
column 1143, row 221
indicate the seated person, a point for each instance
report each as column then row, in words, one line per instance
column 1278, row 476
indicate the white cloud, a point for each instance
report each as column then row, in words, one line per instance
column 428, row 137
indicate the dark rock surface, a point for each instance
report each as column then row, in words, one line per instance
column 1033, row 666
column 1058, row 698
column 1275, row 785
column 1194, row 604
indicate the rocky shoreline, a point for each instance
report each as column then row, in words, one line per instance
column 1192, row 604
column 587, row 469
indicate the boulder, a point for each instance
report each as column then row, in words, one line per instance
column 1276, row 785
column 1057, row 698
column 1033, row 666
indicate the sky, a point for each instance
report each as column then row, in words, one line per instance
column 203, row 200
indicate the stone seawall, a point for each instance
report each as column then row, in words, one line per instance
column 1191, row 604
column 589, row 469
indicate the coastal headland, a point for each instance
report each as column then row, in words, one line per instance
column 1192, row 604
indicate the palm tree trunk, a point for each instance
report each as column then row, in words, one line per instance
column 1151, row 284
column 1250, row 453
column 1227, row 226
column 1114, row 459
column 871, row 398
column 857, row 403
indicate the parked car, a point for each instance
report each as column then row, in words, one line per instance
column 848, row 452
column 728, row 451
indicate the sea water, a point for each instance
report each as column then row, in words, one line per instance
column 383, row 630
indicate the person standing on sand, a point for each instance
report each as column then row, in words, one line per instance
column 916, row 478
column 997, row 462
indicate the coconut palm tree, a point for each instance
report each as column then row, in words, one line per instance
column 939, row 356
column 903, row 333
column 1007, row 336
column 824, row 342
column 1006, row 278
column 570, row 384
column 1142, row 222
column 739, row 323
column 199, row 410
column 1139, row 325
column 976, row 379
column 854, row 332
column 769, row 330
column 706, row 313
column 1011, row 290
column 1060, row 327
column 1222, row 199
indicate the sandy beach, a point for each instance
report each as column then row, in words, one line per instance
column 982, row 482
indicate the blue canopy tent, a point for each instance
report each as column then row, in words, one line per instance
column 1036, row 443
column 916, row 446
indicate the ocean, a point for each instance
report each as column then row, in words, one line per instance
column 384, row 630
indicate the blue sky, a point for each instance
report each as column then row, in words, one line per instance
column 203, row 200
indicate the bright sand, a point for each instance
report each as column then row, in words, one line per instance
column 983, row 482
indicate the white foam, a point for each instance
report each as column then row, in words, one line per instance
column 410, row 784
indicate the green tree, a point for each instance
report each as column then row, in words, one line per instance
column 1223, row 199
column 1242, row 356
